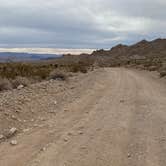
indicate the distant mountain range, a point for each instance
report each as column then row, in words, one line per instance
column 19, row 57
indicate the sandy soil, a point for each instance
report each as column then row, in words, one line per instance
column 108, row 117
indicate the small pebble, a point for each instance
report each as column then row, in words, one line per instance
column 80, row 132
column 65, row 139
column 13, row 142
column 128, row 155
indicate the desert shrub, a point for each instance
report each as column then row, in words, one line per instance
column 78, row 68
column 20, row 81
column 13, row 70
column 58, row 75
column 42, row 73
column 5, row 84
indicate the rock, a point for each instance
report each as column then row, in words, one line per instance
column 17, row 111
column 43, row 149
column 19, row 120
column 26, row 130
column 13, row 117
column 52, row 112
column 12, row 132
column 42, row 119
column 122, row 101
column 80, row 132
column 36, row 125
column 13, row 142
column 1, row 137
column 83, row 147
column 20, row 87
column 128, row 155
column 55, row 102
column 70, row 133
column 65, row 139
column 6, row 114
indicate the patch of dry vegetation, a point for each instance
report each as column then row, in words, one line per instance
column 14, row 74
column 58, row 75
column 5, row 84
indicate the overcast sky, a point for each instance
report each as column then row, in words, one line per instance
column 80, row 23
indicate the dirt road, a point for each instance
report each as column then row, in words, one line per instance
column 117, row 118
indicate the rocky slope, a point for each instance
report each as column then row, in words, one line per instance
column 142, row 48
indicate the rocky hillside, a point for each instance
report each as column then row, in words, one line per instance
column 142, row 48
column 146, row 55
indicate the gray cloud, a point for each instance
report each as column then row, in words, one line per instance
column 80, row 24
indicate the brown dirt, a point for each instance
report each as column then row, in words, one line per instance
column 111, row 116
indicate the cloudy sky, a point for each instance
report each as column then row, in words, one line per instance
column 80, row 23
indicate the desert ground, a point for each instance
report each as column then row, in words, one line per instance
column 107, row 117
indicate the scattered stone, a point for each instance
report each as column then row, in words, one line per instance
column 6, row 113
column 13, row 142
column 25, row 130
column 80, row 132
column 52, row 112
column 32, row 112
column 80, row 127
column 70, row 133
column 19, row 120
column 13, row 117
column 12, row 132
column 128, row 155
column 1, row 137
column 42, row 119
column 36, row 125
column 43, row 149
column 20, row 87
column 17, row 111
column 55, row 102
column 83, row 147
column 65, row 139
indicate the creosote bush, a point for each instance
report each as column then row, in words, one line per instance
column 20, row 81
column 5, row 84
column 14, row 74
column 58, row 75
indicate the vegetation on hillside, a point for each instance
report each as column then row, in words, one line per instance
column 14, row 74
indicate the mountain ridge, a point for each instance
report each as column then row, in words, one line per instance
column 142, row 48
